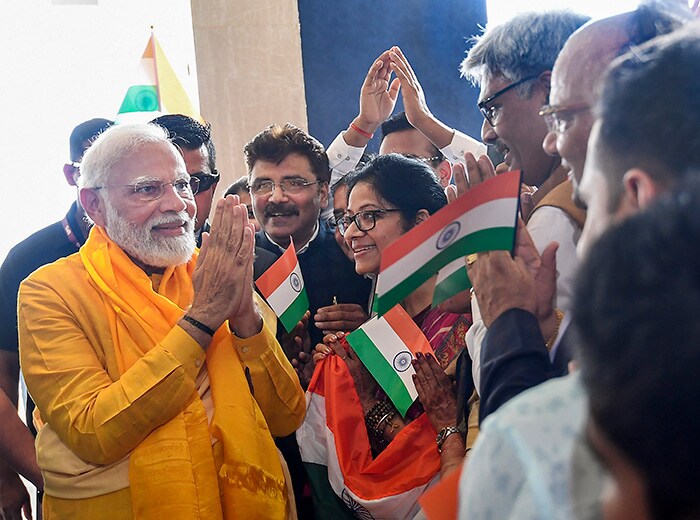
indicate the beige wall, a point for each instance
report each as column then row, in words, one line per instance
column 250, row 72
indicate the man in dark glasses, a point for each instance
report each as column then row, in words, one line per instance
column 194, row 141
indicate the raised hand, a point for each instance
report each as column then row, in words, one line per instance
column 223, row 276
column 377, row 96
column 415, row 105
column 501, row 283
column 412, row 93
column 435, row 391
column 526, row 282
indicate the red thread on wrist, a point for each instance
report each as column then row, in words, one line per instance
column 361, row 131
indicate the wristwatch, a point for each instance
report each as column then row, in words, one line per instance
column 443, row 434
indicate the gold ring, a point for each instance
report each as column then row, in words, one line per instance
column 471, row 259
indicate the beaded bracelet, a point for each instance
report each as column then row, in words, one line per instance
column 379, row 413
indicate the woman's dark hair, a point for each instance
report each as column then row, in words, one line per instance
column 407, row 184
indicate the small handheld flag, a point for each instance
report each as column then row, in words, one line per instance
column 451, row 279
column 483, row 219
column 283, row 287
column 386, row 345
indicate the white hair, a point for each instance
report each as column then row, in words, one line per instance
column 113, row 145
column 138, row 241
column 525, row 46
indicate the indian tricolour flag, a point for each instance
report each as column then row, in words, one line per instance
column 451, row 279
column 156, row 90
column 283, row 287
column 483, row 219
column 347, row 480
column 386, row 345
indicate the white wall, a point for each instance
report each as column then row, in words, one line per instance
column 60, row 65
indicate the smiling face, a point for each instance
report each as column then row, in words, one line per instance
column 156, row 233
column 281, row 214
column 518, row 129
column 367, row 246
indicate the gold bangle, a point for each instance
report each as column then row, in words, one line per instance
column 555, row 332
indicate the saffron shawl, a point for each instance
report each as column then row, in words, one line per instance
column 175, row 472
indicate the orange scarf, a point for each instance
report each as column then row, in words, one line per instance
column 173, row 472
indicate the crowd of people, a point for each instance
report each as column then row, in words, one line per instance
column 161, row 384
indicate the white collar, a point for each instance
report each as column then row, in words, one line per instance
column 301, row 249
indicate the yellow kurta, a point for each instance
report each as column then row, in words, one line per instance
column 104, row 404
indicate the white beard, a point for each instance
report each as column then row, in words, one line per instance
column 139, row 243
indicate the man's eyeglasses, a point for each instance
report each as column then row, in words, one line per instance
column 148, row 191
column 430, row 161
column 290, row 186
column 206, row 180
column 364, row 220
column 491, row 113
column 560, row 117
column 332, row 222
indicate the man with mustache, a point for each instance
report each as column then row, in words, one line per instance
column 288, row 175
column 158, row 381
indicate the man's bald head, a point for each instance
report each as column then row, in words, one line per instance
column 580, row 67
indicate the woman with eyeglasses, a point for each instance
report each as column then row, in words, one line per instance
column 386, row 198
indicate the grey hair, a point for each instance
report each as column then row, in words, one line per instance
column 526, row 45
column 113, row 145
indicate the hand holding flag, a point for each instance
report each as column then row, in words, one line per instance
column 386, row 345
column 283, row 287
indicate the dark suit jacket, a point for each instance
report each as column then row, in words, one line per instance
column 327, row 273
column 514, row 358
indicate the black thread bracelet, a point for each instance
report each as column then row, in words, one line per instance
column 201, row 326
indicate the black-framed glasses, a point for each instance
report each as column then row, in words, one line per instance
column 560, row 117
column 364, row 220
column 148, row 191
column 206, row 180
column 291, row 186
column 491, row 113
